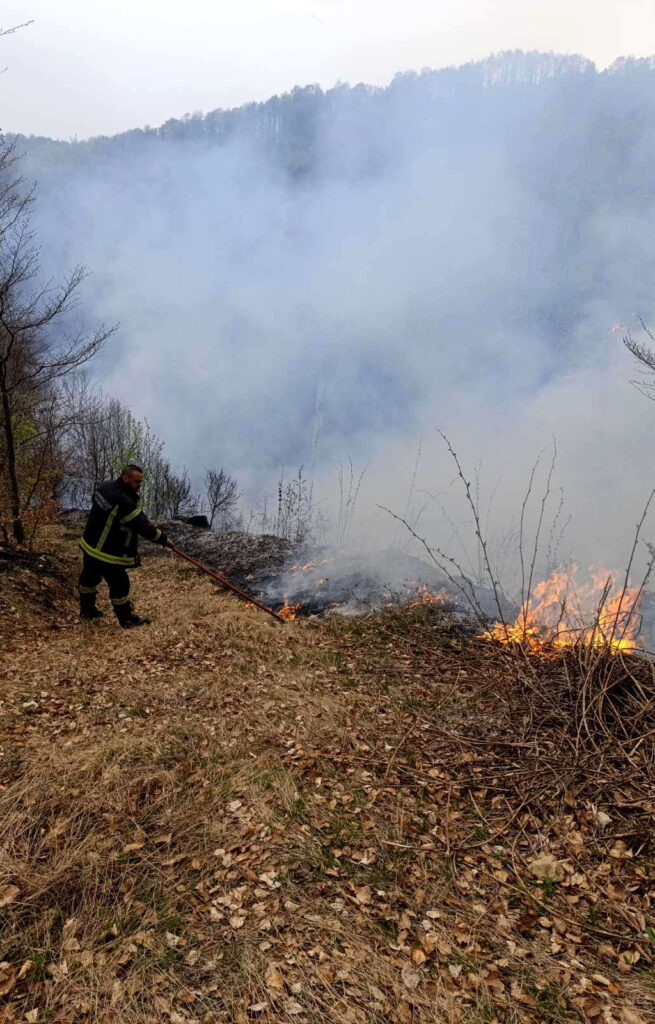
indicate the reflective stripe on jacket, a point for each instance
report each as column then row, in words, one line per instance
column 115, row 523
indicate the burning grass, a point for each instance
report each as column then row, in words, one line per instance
column 564, row 613
column 357, row 819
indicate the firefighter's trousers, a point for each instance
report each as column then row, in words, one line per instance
column 117, row 579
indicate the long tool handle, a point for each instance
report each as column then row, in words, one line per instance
column 226, row 583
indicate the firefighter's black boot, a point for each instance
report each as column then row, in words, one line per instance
column 93, row 613
column 127, row 618
column 135, row 620
column 88, row 608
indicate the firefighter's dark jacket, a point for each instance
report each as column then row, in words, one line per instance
column 114, row 525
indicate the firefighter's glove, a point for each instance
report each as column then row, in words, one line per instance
column 163, row 540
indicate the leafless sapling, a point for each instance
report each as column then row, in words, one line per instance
column 222, row 495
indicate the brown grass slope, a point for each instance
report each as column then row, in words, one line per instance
column 219, row 818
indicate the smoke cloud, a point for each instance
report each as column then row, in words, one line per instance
column 349, row 272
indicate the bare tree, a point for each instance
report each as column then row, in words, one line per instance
column 102, row 437
column 171, row 494
column 645, row 356
column 296, row 512
column 222, row 496
column 37, row 347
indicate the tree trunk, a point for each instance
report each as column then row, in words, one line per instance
column 14, row 493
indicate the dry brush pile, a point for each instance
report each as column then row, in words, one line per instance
column 366, row 819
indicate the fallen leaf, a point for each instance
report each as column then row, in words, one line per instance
column 520, row 995
column 411, row 977
column 25, row 969
column 527, row 923
column 376, row 993
column 8, row 893
column 592, row 1008
column 631, row 1016
column 602, row 819
column 546, row 866
column 363, row 894
column 405, row 1012
column 238, row 921
column 274, row 980
column 7, row 977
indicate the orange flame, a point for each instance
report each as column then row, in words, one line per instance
column 426, row 596
column 289, row 611
column 562, row 613
column 308, row 565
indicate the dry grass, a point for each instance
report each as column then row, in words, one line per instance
column 223, row 819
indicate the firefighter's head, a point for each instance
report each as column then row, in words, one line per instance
column 132, row 475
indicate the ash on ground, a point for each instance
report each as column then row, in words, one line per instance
column 243, row 558
column 318, row 580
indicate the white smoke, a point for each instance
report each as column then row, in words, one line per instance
column 452, row 258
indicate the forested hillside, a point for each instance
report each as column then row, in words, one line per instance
column 342, row 271
column 516, row 91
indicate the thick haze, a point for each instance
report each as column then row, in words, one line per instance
column 345, row 272
column 88, row 68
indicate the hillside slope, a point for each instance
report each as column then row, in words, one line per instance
column 220, row 818
column 361, row 265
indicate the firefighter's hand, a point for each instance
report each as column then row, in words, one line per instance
column 163, row 540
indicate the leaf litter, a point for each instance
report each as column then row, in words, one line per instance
column 370, row 819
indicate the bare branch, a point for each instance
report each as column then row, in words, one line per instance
column 15, row 28
column 442, row 561
column 478, row 530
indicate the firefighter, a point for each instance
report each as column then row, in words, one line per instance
column 109, row 545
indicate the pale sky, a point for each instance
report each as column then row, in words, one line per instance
column 90, row 67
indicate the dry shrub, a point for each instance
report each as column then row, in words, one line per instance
column 584, row 707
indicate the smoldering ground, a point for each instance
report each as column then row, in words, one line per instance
column 346, row 273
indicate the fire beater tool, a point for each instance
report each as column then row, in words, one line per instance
column 226, row 583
